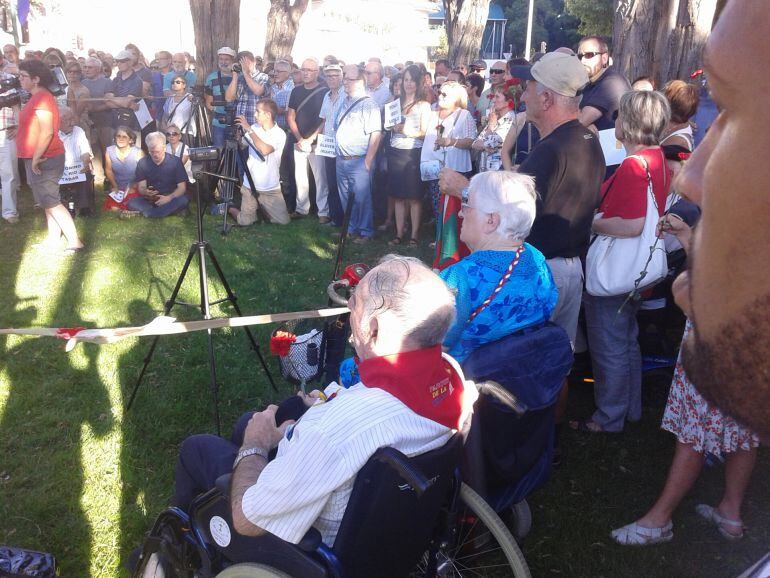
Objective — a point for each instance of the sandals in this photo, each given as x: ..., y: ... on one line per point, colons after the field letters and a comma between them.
x: 395, y: 241
x: 635, y: 535
x: 413, y: 242
x: 711, y: 515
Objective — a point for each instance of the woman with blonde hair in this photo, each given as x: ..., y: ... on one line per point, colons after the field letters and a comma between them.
x: 447, y: 143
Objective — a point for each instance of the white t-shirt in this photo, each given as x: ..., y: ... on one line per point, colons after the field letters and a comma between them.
x: 266, y: 173
x: 459, y: 124
x: 75, y: 146
x: 310, y: 481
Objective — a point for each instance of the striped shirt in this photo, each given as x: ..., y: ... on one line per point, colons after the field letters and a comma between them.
x: 330, y: 109
x: 310, y: 480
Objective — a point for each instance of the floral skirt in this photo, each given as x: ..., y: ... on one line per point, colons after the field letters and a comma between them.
x: 695, y: 422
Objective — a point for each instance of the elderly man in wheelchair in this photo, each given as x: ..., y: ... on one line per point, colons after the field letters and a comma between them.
x: 388, y: 477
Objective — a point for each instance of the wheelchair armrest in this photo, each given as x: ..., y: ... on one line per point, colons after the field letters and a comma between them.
x: 223, y: 484
x: 494, y: 389
x: 399, y: 462
x: 310, y: 541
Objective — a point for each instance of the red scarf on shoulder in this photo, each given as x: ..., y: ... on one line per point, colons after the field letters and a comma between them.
x: 422, y: 380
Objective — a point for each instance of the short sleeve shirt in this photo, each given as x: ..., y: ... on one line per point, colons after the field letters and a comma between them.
x: 98, y: 87
x: 217, y: 90
x: 568, y: 166
x: 358, y: 124
x: 189, y: 76
x: 627, y: 196
x: 329, y: 110
x: 125, y: 87
x: 281, y: 94
x: 266, y: 173
x: 604, y: 95
x: 164, y: 177
x: 307, y: 117
x: 75, y: 146
x: 29, y: 128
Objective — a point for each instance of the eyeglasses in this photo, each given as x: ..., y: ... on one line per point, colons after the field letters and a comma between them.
x: 476, y: 69
x: 178, y: 82
x: 588, y: 55
x: 496, y: 71
x: 121, y: 60
x: 309, y: 69
x: 173, y: 133
x: 350, y: 78
x: 121, y: 136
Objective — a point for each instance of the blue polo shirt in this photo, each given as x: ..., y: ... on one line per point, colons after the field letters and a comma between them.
x: 353, y: 129
x: 164, y: 177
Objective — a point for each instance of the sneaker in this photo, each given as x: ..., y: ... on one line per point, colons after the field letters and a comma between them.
x: 295, y: 215
x: 12, y: 220
x: 324, y: 220
x: 126, y: 214
x: 218, y: 209
x: 362, y: 240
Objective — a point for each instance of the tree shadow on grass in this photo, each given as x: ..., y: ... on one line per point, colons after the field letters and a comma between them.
x: 54, y: 404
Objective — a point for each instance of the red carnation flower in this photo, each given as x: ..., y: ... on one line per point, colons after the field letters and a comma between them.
x: 280, y: 343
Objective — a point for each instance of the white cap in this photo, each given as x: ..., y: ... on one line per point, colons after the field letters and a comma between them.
x: 226, y: 50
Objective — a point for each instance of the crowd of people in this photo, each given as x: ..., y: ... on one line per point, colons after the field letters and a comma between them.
x: 512, y: 170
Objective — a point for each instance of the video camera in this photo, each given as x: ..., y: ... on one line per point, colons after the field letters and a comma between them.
x: 11, y: 93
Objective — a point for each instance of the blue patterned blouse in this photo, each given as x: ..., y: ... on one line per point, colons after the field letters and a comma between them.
x: 528, y: 297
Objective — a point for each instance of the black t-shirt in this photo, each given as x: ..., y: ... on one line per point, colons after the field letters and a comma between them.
x: 164, y: 177
x: 604, y: 95
x: 568, y: 166
x: 307, y: 117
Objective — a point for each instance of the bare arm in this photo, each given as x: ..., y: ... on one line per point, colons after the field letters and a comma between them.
x: 44, y: 120
x: 109, y: 173
x: 291, y: 121
x: 232, y: 89
x: 589, y: 115
x: 618, y: 227
x: 509, y: 144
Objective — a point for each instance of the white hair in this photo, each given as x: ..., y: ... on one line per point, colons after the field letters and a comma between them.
x: 154, y: 137
x: 510, y: 195
x: 566, y: 102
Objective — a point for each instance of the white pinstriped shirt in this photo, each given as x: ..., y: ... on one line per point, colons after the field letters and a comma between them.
x: 310, y: 480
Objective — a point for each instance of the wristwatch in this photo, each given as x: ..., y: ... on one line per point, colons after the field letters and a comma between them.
x: 246, y: 452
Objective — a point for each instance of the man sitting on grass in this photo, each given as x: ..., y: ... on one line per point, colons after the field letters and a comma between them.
x: 162, y: 181
x: 409, y: 398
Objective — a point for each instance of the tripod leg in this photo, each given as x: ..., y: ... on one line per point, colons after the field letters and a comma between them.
x: 206, y: 311
x: 234, y: 300
x: 166, y: 310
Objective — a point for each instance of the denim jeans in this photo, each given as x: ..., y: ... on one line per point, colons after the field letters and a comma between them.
x: 336, y: 210
x: 153, y: 212
x: 353, y: 176
x: 9, y: 175
x: 616, y: 360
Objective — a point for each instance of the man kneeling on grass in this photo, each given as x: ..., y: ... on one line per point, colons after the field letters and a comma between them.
x: 269, y: 139
x: 162, y: 181
x: 409, y: 398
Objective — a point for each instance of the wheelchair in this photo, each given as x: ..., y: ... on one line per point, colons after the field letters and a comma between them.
x: 435, y: 514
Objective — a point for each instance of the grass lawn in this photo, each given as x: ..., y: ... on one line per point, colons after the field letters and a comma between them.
x: 83, y: 479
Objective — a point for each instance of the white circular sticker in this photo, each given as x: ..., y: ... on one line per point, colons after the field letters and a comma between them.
x: 220, y: 531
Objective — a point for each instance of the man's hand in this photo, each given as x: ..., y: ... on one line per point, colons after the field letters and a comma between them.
x: 162, y: 200
x: 451, y: 182
x: 262, y: 431
x: 304, y: 145
x: 36, y: 166
x: 241, y: 120
x: 310, y: 399
x: 247, y: 65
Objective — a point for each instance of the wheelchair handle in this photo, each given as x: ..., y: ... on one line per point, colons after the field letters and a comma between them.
x: 331, y: 290
x: 502, y: 395
x: 412, y: 476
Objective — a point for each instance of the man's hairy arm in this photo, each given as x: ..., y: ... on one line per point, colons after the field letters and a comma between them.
x: 261, y: 433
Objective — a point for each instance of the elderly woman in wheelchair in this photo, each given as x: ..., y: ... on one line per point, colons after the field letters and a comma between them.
x: 426, y: 514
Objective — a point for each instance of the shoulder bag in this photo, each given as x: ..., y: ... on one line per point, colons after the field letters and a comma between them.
x: 616, y: 266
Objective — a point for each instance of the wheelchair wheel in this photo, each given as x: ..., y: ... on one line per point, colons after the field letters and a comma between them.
x: 251, y: 570
x: 481, y: 544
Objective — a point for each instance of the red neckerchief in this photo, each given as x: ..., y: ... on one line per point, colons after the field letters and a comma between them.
x: 422, y: 380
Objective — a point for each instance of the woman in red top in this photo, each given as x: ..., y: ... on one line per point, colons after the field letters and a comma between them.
x: 38, y: 144
x: 611, y: 321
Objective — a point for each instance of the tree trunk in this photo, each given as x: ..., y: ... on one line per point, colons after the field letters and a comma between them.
x: 465, y: 21
x: 662, y: 39
x: 282, y: 25
x: 216, y: 24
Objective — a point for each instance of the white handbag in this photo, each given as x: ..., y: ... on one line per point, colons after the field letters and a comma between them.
x: 616, y: 266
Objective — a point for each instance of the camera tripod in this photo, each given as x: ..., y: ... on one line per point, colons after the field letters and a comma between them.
x: 202, y: 250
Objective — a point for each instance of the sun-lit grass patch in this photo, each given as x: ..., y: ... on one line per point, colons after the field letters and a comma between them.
x: 84, y: 479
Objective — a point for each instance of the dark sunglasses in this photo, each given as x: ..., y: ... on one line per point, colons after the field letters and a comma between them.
x: 496, y: 71
x: 589, y: 55
x: 173, y: 133
x: 476, y: 69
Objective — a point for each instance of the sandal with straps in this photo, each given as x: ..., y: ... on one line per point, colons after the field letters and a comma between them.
x: 395, y: 241
x: 635, y: 535
x: 711, y: 515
